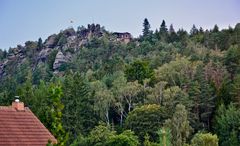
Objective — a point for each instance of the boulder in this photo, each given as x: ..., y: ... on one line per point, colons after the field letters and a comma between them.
x: 51, y: 41
x: 69, y: 32
x: 59, y: 60
x: 43, y: 54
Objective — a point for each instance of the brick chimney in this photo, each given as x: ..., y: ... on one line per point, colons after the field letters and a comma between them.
x: 19, y: 106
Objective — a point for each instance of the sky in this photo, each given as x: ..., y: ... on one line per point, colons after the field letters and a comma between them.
x: 23, y: 20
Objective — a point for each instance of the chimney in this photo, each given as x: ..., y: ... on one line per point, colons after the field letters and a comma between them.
x: 19, y: 106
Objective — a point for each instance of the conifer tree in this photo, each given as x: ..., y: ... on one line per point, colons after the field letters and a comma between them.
x: 215, y: 28
x: 194, y: 30
x: 163, y: 27
x: 78, y: 114
x: 146, y: 28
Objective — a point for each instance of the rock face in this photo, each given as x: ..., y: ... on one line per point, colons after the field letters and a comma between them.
x: 51, y: 41
x: 69, y: 32
x: 68, y: 42
x: 1, y: 69
x: 59, y: 60
x: 91, y: 31
x: 42, y: 57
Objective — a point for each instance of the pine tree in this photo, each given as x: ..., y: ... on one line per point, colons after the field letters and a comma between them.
x: 205, y: 101
x: 40, y: 44
x: 163, y: 27
x: 78, y: 114
x: 194, y: 30
x: 215, y: 28
x: 146, y: 28
x: 172, y: 34
x: 171, y: 29
x: 201, y: 31
x: 226, y: 126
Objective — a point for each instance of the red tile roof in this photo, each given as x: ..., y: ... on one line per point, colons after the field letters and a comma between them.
x: 22, y: 128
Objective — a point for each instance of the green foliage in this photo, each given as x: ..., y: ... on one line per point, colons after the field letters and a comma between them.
x: 41, y: 72
x: 232, y: 60
x: 179, y: 126
x: 78, y: 115
x: 31, y: 49
x: 146, y: 28
x: 54, y: 115
x: 235, y: 90
x: 51, y: 59
x: 227, y: 123
x: 103, y: 98
x: 163, y: 32
x: 26, y: 91
x: 177, y: 72
x: 45, y: 101
x: 147, y: 141
x: 40, y: 44
x: 193, y: 31
x: 204, y: 99
x: 199, y: 70
x: 102, y: 136
x: 164, y: 136
x: 62, y: 40
x: 127, y: 138
x: 173, y: 96
x: 146, y: 119
x: 138, y: 70
x: 204, y: 139
x: 3, y: 54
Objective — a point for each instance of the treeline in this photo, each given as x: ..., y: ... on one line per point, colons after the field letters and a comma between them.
x: 166, y: 87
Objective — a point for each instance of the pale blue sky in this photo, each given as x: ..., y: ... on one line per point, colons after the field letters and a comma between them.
x: 23, y: 20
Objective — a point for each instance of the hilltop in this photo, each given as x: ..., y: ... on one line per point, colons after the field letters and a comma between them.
x: 91, y: 86
x: 61, y: 48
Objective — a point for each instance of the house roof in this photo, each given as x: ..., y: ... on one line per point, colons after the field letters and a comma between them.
x: 22, y: 127
x: 122, y: 33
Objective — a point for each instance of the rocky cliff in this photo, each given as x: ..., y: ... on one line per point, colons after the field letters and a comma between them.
x: 65, y: 44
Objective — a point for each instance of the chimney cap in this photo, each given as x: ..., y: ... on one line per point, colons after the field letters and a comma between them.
x: 17, y: 99
x: 19, y: 106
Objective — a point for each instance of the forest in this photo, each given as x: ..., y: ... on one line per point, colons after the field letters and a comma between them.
x: 166, y: 87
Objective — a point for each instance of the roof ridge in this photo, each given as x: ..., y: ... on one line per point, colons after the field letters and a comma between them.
x: 24, y: 126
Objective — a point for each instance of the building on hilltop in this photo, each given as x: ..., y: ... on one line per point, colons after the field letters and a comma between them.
x: 125, y: 37
x: 19, y: 126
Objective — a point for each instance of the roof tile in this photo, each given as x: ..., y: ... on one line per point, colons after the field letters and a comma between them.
x: 22, y: 128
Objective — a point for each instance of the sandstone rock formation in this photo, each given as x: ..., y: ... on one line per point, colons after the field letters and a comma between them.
x: 59, y: 60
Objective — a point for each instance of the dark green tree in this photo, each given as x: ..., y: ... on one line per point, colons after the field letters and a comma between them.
x: 179, y: 126
x: 232, y: 60
x: 127, y: 138
x: 172, y: 34
x: 139, y: 70
x: 163, y: 27
x: 54, y: 114
x: 215, y: 28
x: 146, y: 119
x: 163, y: 32
x: 146, y: 28
x: 194, y: 30
x: 227, y: 124
x: 40, y: 44
x: 78, y: 115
